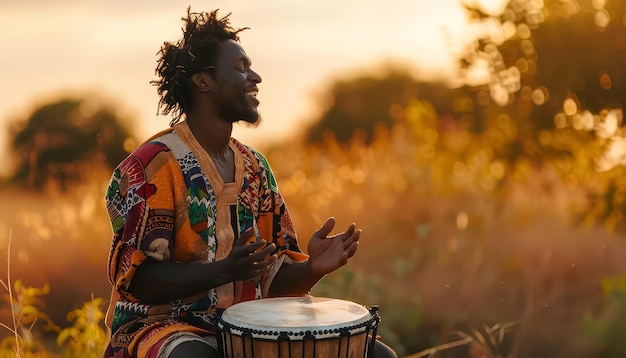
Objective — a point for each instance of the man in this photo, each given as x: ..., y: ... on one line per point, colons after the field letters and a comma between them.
x: 198, y: 221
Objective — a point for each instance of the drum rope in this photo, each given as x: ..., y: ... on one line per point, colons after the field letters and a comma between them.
x: 369, y: 351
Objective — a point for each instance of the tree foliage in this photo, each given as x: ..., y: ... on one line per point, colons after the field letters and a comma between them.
x: 550, y: 58
x: 363, y: 103
x: 60, y: 140
x: 556, y: 69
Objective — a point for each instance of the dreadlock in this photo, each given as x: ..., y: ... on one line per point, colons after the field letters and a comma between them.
x: 195, y: 52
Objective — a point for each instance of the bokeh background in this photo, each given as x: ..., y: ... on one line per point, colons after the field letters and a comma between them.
x: 478, y: 144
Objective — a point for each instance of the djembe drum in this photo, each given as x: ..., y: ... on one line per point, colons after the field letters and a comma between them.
x: 298, y: 327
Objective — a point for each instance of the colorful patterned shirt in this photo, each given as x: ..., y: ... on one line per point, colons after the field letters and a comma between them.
x: 168, y: 202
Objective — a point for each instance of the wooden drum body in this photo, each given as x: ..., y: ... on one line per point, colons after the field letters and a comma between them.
x: 298, y: 327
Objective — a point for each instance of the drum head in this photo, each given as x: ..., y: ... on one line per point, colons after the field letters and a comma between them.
x: 295, y: 314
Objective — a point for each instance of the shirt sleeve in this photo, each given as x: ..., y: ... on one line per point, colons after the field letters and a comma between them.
x: 141, y: 209
x: 274, y: 215
x: 275, y: 225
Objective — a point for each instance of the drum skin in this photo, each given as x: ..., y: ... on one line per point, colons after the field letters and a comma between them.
x: 297, y: 327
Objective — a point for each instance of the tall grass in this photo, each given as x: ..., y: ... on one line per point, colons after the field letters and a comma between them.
x: 465, y: 253
x: 24, y: 314
x: 86, y: 338
x: 59, y: 257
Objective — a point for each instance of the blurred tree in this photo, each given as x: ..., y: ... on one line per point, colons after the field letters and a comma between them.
x: 548, y: 62
x: 556, y: 70
x: 60, y: 140
x: 362, y: 103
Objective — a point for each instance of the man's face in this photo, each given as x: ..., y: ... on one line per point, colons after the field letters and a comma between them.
x: 236, y: 85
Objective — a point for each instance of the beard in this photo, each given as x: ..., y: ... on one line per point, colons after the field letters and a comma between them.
x: 251, y: 124
x: 242, y: 111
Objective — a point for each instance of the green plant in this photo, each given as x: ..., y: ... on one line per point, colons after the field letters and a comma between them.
x: 86, y: 337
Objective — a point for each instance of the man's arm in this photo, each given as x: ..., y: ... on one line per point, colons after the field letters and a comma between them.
x: 159, y: 282
x: 294, y: 279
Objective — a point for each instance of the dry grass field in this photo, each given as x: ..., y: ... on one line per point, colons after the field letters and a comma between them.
x: 462, y: 262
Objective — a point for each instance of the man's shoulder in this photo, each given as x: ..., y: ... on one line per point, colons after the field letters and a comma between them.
x: 147, y: 151
x: 151, y: 148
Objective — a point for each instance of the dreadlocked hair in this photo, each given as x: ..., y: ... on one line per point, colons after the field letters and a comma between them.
x: 195, y: 52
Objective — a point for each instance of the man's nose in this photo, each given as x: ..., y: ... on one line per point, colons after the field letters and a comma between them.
x: 255, y: 77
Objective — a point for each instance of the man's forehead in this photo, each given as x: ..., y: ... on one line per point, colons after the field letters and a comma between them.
x: 231, y: 50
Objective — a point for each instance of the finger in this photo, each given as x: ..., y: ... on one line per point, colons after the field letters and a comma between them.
x: 245, y: 236
x: 248, y: 249
x: 346, y: 234
x: 352, y: 249
x: 352, y: 239
x: 326, y: 228
x: 255, y: 246
x: 350, y: 230
x: 262, y: 254
x: 261, y: 267
x: 266, y: 262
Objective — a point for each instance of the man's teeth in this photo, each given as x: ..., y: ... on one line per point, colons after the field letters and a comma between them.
x: 252, y: 93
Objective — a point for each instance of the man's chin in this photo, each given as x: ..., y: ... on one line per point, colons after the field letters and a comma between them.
x: 248, y: 118
x: 250, y: 122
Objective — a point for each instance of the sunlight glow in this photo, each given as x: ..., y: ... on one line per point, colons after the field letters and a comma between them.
x: 608, y: 127
x: 570, y: 107
x: 523, y: 31
x: 614, y: 154
x: 608, y: 124
x: 462, y: 220
x: 560, y: 120
x: 499, y: 94
x: 602, y: 18
x: 584, y: 121
x: 539, y: 96
x: 598, y: 4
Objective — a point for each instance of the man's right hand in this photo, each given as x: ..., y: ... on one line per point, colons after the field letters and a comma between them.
x: 248, y: 260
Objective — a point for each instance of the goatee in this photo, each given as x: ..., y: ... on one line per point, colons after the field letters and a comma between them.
x: 249, y: 118
x: 251, y: 124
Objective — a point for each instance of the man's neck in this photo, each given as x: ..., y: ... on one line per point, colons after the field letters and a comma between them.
x: 213, y: 133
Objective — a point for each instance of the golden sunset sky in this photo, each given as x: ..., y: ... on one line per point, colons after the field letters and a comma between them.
x: 108, y: 49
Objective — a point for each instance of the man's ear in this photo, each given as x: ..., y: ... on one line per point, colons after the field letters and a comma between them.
x: 202, y: 81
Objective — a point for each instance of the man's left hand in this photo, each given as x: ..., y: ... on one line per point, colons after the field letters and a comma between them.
x: 328, y: 253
